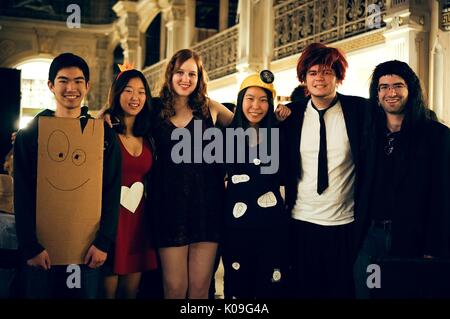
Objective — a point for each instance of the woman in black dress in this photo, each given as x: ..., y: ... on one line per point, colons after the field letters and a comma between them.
x: 188, y: 192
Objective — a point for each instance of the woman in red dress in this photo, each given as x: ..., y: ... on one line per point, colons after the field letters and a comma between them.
x: 130, y: 103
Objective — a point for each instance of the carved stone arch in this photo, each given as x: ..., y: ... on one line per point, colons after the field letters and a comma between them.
x: 147, y: 11
x: 23, y: 57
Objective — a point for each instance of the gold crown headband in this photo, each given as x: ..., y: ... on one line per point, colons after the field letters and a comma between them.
x: 124, y: 67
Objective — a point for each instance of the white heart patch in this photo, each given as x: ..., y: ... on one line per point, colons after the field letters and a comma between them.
x: 131, y: 197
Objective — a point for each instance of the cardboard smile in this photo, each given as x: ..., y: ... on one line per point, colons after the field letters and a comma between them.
x: 66, y: 189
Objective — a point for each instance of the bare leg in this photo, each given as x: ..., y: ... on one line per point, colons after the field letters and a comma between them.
x: 201, y: 264
x: 175, y: 271
x: 129, y: 285
x: 110, y: 286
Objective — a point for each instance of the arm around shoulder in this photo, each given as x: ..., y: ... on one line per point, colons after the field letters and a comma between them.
x: 223, y: 115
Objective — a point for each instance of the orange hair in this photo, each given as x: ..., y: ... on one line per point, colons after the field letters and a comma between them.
x: 320, y: 54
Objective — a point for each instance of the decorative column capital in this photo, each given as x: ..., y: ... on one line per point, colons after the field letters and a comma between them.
x: 174, y: 13
x: 407, y: 14
x: 122, y: 8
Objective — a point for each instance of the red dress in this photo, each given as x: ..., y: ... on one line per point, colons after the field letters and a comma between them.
x: 132, y: 248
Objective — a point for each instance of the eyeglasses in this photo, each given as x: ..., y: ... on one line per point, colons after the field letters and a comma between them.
x: 396, y: 87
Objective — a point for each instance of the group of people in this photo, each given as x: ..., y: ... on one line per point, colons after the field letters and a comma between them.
x: 363, y: 179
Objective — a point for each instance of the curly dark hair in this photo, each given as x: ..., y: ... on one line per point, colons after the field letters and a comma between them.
x: 142, y: 124
x: 198, y: 100
x: 415, y: 108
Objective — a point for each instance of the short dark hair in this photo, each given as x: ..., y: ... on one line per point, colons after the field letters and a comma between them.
x: 299, y: 93
x: 142, y: 124
x: 415, y: 109
x: 67, y: 60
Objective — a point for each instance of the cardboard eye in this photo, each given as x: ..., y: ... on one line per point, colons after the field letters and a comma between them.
x: 58, y: 146
x: 78, y: 157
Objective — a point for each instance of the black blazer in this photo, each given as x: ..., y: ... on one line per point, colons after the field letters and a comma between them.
x: 421, y: 220
x: 355, y: 111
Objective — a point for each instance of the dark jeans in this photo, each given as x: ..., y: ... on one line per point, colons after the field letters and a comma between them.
x: 377, y: 244
x: 37, y: 283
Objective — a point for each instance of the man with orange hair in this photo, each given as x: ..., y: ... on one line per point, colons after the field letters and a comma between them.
x: 322, y: 159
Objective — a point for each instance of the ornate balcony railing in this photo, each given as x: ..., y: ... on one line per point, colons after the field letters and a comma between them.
x: 445, y: 16
x: 301, y: 22
x: 219, y: 53
x: 155, y: 76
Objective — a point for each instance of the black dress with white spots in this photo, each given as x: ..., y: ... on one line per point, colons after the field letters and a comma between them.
x: 255, y: 238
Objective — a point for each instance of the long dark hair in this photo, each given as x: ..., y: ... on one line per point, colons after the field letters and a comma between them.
x: 415, y: 108
x: 239, y: 119
x: 142, y: 123
x: 198, y: 100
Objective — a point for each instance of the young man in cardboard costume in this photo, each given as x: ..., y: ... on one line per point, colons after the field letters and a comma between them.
x: 61, y: 190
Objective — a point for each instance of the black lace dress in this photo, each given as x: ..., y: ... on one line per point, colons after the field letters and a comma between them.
x: 187, y: 197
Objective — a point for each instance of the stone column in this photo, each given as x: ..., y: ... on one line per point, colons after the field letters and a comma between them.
x: 190, y: 22
x: 129, y: 31
x: 104, y: 71
x: 255, y: 36
x: 223, y: 15
x: 174, y: 16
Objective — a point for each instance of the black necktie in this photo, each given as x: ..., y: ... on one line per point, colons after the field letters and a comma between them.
x: 322, y: 168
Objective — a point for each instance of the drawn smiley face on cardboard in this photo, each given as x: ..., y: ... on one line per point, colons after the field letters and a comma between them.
x: 69, y: 186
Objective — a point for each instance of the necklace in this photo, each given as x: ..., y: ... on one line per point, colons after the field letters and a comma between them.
x: 390, y: 142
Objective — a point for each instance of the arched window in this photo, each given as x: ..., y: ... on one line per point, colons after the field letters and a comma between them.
x: 35, y: 94
x: 152, y: 41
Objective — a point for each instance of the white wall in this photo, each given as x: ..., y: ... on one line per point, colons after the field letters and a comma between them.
x: 361, y: 64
